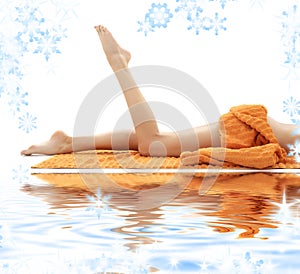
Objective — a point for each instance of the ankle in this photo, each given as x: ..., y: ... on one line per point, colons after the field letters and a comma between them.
x: 117, y: 62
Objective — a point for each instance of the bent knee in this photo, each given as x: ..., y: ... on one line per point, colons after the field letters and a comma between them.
x: 154, y: 149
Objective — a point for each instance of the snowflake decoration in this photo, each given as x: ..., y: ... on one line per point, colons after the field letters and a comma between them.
x: 203, y: 266
x: 21, y: 174
x: 174, y: 263
x: 26, y: 15
x: 207, y: 23
x: 145, y: 26
x: 26, y: 31
x: 222, y: 2
x: 65, y: 7
x: 0, y: 237
x: 159, y: 15
x: 247, y: 263
x: 47, y: 42
x: 17, y: 100
x: 189, y: 8
x: 27, y: 122
x: 297, y: 128
x: 10, y: 65
x: 257, y: 2
x: 217, y: 24
x: 99, y: 203
x: 290, y: 29
x: 240, y: 264
x: 295, y: 150
x: 292, y: 58
x: 291, y: 106
x: 34, y: 33
x: 290, y: 25
x: 196, y: 23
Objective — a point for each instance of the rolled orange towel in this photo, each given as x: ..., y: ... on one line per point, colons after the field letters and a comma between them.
x: 247, y: 141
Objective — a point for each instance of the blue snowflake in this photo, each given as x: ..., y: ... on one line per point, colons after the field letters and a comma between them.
x: 295, y: 150
x: 216, y: 24
x: 99, y: 203
x: 20, y: 174
x: 27, y: 122
x: 222, y: 2
x: 17, y: 100
x: 189, y: 8
x: 145, y: 26
x: 196, y: 23
x: 26, y: 35
x: 26, y: 15
x: 10, y: 64
x: 47, y: 42
x: 34, y: 33
x: 292, y: 58
x: 207, y: 23
x: 291, y: 106
x: 290, y: 25
x: 159, y: 15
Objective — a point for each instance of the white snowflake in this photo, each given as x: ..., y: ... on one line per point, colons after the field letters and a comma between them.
x: 174, y: 262
x: 27, y: 122
x: 291, y: 106
x: 65, y: 8
x: 259, y: 3
x: 0, y: 237
x: 99, y: 203
x: 17, y: 100
x: 145, y: 26
x: 295, y: 150
x: 20, y: 174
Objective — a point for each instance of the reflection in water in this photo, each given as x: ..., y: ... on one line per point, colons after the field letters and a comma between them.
x: 233, y: 203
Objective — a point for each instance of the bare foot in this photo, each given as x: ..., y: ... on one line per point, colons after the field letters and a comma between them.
x: 117, y: 57
x: 58, y: 143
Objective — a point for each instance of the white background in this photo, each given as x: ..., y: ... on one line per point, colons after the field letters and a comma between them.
x: 242, y: 65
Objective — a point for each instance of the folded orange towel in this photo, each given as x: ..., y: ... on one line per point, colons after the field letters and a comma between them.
x: 247, y: 140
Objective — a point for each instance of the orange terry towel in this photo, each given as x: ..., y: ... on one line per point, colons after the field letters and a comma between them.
x: 247, y: 141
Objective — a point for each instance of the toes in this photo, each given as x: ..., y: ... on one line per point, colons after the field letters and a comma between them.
x: 29, y: 151
x: 25, y: 152
x: 97, y: 28
x: 101, y: 29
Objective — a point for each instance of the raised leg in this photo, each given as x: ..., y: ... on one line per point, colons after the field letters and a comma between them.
x: 146, y: 138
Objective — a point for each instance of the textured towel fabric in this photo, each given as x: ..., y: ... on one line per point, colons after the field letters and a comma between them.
x: 108, y: 159
x: 247, y: 141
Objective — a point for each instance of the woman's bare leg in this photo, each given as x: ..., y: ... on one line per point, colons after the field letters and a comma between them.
x: 146, y: 138
x: 62, y: 143
x: 150, y: 140
x: 142, y: 116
